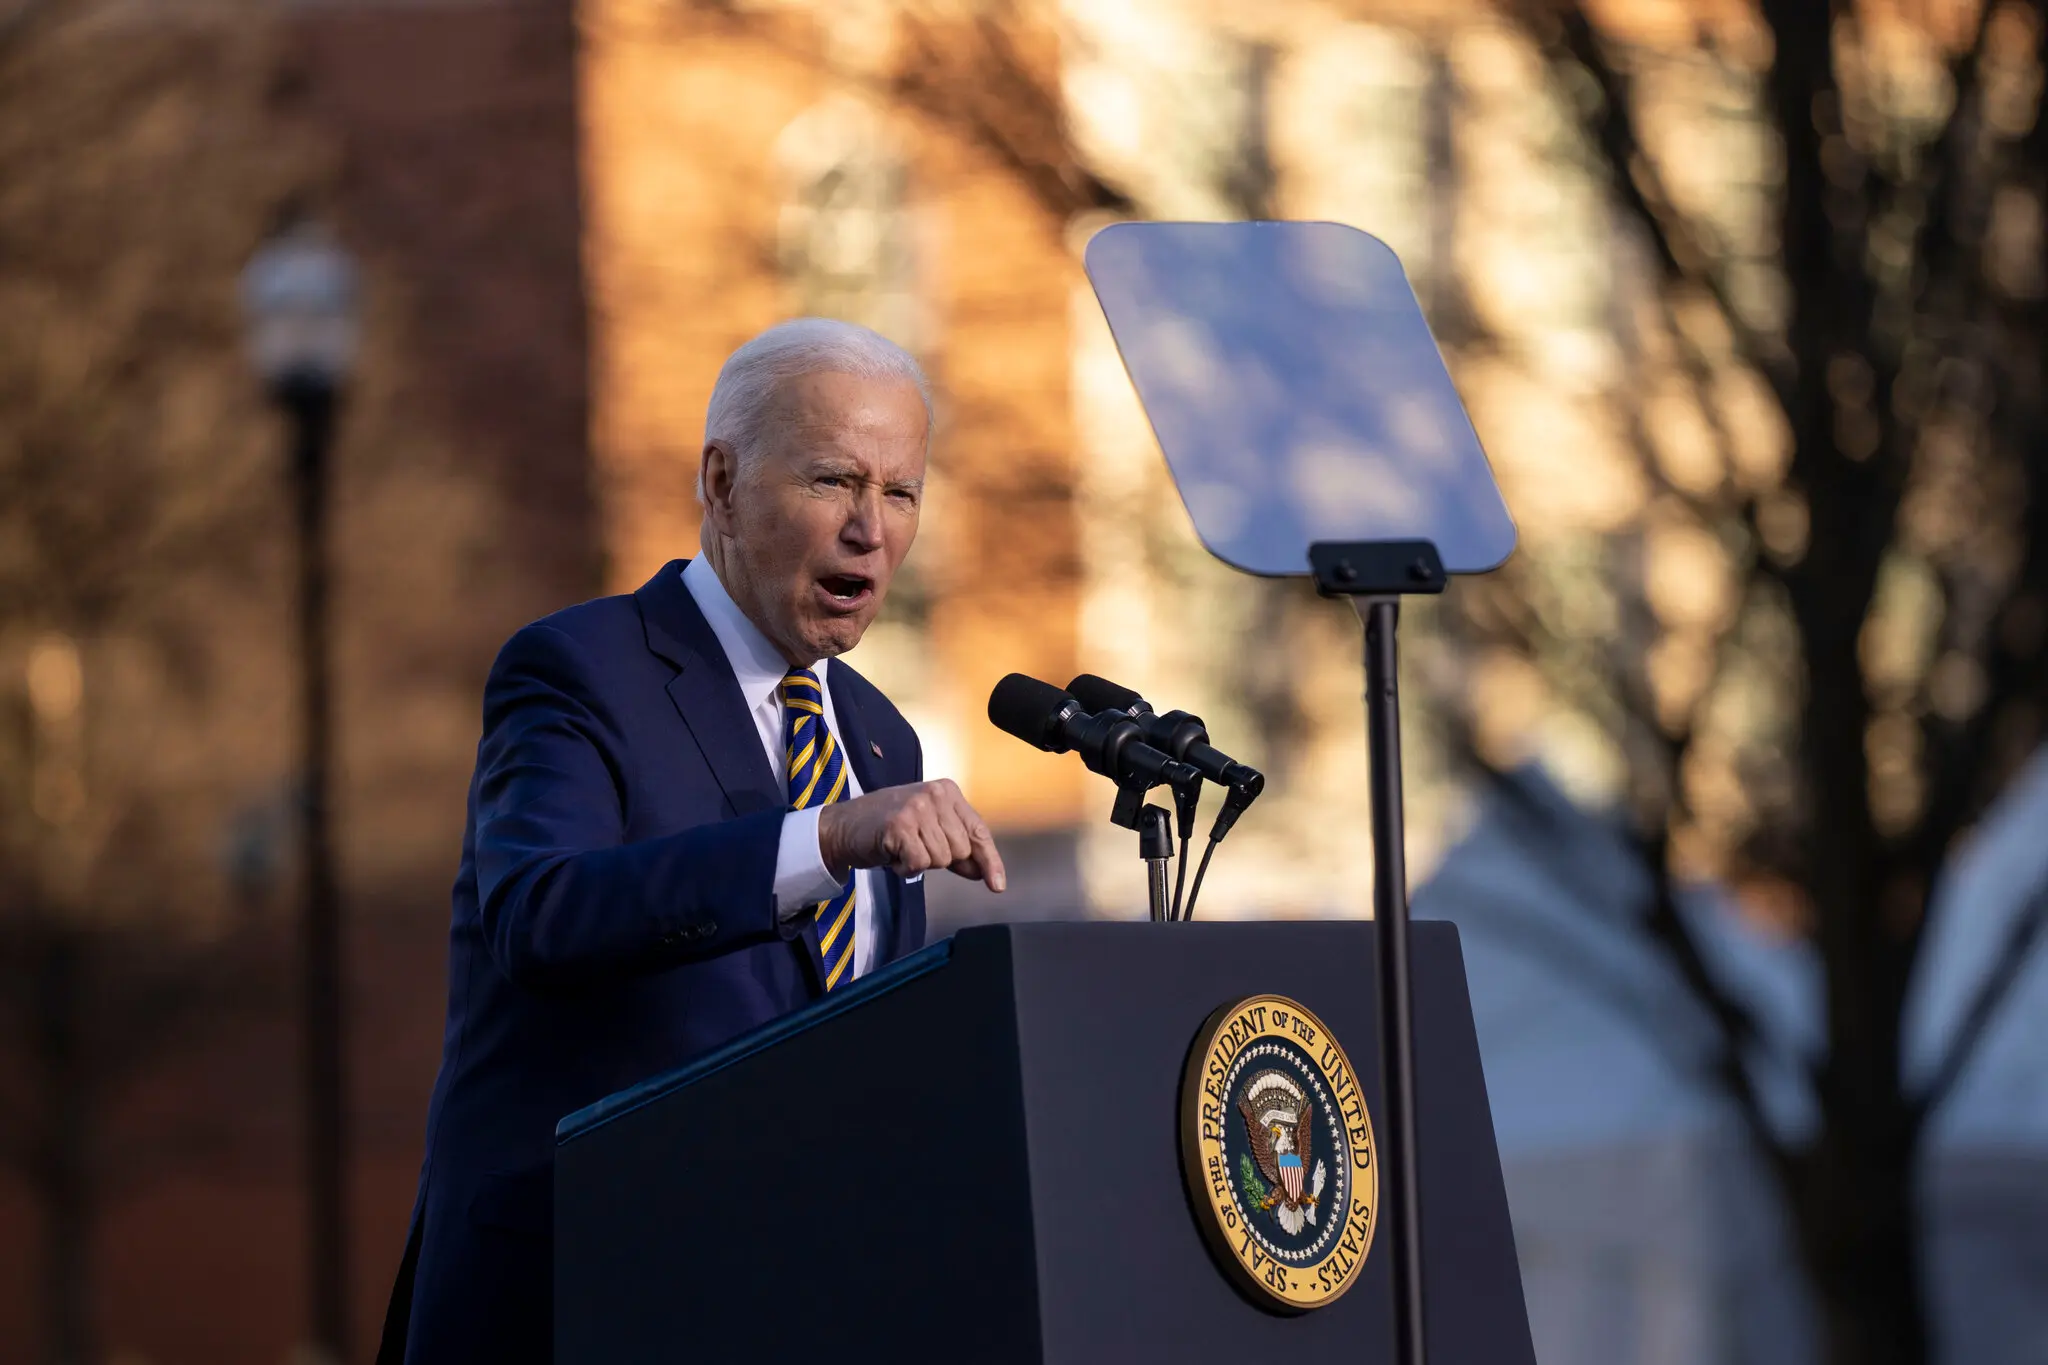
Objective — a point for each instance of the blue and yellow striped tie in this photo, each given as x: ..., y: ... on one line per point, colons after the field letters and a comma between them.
x: 817, y: 777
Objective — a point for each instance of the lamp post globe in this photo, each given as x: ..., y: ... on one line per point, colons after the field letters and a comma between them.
x: 300, y: 305
x: 299, y: 298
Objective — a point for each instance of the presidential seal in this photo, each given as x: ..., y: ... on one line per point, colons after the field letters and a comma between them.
x: 1277, y: 1149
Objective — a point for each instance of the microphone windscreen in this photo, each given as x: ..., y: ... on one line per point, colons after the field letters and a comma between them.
x: 1027, y: 708
x: 1100, y: 694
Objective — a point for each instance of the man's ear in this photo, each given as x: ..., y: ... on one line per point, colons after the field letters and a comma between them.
x: 720, y: 470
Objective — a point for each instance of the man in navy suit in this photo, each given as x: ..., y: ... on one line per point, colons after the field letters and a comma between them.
x: 686, y: 820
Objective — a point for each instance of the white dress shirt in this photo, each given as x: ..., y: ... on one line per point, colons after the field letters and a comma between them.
x: 801, y: 877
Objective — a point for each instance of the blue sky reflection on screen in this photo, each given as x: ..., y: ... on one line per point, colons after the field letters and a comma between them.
x: 1292, y: 382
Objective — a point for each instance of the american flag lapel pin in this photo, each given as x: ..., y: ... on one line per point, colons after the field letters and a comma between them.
x: 875, y: 748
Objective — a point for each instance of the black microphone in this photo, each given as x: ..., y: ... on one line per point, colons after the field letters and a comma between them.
x: 1181, y: 735
x: 1111, y: 744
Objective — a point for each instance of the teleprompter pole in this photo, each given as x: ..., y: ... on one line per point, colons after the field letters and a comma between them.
x: 1375, y: 575
x: 1397, y: 1009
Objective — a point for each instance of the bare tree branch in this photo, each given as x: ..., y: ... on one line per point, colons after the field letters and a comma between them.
x: 1940, y: 249
x: 1737, y: 1026
x: 1684, y: 256
x: 968, y: 75
x: 974, y: 80
x: 1959, y: 752
x: 2014, y: 956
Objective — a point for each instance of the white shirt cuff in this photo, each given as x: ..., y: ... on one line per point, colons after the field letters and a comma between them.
x: 801, y: 877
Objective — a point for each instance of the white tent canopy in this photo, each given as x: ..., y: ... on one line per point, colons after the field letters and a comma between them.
x: 1984, y: 1183
x: 2001, y: 1096
x: 1646, y: 1226
x: 1644, y: 1221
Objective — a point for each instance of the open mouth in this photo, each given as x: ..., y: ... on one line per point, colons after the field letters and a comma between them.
x: 846, y: 589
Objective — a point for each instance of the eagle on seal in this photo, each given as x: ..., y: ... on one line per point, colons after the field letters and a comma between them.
x: 1279, y: 1124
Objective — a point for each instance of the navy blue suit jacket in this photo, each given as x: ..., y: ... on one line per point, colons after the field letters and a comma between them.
x: 614, y: 917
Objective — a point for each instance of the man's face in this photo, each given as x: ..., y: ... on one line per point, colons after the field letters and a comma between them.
x: 810, y: 533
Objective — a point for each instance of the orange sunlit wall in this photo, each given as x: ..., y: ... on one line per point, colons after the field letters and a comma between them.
x: 684, y: 116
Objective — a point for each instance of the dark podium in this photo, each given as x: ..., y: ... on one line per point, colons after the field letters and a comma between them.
x: 974, y: 1155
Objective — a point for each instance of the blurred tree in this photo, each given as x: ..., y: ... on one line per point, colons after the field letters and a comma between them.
x: 137, y: 160
x: 1820, y: 652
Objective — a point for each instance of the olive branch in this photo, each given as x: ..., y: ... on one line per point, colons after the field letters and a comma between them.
x: 1255, y: 1189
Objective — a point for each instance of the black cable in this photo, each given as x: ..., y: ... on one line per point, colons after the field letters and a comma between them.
x: 1200, y: 872
x: 1187, y: 800
x: 1180, y: 878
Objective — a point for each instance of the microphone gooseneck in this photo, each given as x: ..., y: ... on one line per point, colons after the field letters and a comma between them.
x: 1181, y: 735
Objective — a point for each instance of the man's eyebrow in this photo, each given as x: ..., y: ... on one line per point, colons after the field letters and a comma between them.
x: 830, y: 464
x: 827, y: 465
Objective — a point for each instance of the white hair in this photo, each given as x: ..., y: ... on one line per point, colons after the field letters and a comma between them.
x: 743, y: 399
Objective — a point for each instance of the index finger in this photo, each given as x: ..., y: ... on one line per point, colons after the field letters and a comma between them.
x: 984, y: 845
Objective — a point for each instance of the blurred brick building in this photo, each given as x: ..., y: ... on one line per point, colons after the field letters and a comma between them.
x: 441, y: 140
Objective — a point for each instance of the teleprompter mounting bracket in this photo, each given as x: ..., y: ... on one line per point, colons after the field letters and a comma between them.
x: 1376, y: 568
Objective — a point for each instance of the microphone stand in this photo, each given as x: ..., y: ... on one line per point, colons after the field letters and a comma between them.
x: 1375, y: 575
x: 1154, y: 825
x: 1155, y: 846
x: 1156, y: 833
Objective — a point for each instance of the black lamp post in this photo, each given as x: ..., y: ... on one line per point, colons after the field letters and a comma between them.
x: 299, y: 297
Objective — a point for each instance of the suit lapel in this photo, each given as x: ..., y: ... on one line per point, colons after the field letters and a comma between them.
x: 708, y: 697
x: 706, y: 694
x: 853, y: 732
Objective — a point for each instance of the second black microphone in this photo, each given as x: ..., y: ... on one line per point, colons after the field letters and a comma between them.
x: 1111, y: 744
